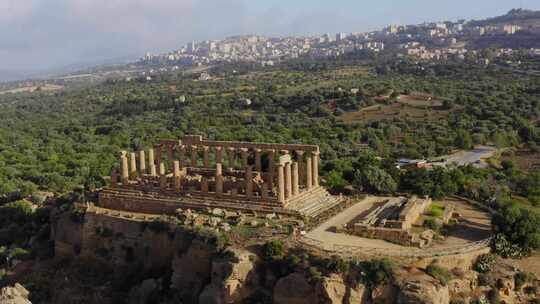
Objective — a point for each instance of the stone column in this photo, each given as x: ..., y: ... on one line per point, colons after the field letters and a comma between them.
x: 133, y: 169
x: 264, y: 190
x: 114, y: 178
x: 193, y: 156
x: 309, y: 178
x: 258, y: 163
x: 249, y: 181
x: 295, y: 185
x: 162, y: 177
x: 301, y: 167
x: 219, y: 156
x: 151, y: 160
x: 153, y: 170
x: 162, y: 169
x: 244, y: 153
x: 271, y: 168
x: 315, y: 169
x: 158, y: 156
x: 281, y: 183
x: 288, y: 181
x: 206, y: 158
x: 142, y: 163
x: 219, y: 179
x: 176, y: 174
x: 204, y: 184
x: 230, y: 163
x: 125, y: 170
x: 181, y: 155
x: 170, y: 156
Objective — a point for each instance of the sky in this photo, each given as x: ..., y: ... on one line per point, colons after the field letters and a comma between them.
x: 45, y: 34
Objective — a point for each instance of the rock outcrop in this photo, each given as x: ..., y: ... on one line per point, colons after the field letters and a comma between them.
x: 14, y: 295
x: 234, y: 278
x: 423, y: 292
x: 192, y: 271
x: 333, y: 290
x: 294, y: 289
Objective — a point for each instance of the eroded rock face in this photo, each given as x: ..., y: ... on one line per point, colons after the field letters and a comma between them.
x: 14, y: 295
x: 294, y: 289
x: 465, y: 284
x: 358, y: 294
x: 333, y: 290
x: 385, y: 294
x: 423, y: 292
x: 192, y: 271
x: 234, y: 278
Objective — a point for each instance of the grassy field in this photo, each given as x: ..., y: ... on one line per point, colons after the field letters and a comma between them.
x: 45, y: 88
x: 396, y: 110
x: 525, y: 160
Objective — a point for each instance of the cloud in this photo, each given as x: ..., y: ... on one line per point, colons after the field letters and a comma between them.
x: 45, y: 33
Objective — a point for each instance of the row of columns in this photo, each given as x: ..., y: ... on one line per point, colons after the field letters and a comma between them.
x: 290, y: 174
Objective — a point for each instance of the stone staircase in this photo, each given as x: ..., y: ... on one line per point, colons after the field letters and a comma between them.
x: 192, y: 201
x: 314, y: 202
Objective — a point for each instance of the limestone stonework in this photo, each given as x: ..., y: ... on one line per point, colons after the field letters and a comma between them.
x: 262, y: 178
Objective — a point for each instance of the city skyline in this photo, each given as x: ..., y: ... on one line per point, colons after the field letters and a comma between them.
x: 39, y: 36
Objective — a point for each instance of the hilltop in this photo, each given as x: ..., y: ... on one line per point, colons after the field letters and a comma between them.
x: 522, y: 17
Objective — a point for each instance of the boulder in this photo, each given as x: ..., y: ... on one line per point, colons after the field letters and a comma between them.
x: 333, y: 289
x: 384, y: 294
x: 234, y: 278
x: 423, y: 292
x: 294, y: 289
x: 218, y: 212
x: 14, y: 295
x: 466, y: 283
x: 192, y: 271
x: 358, y: 294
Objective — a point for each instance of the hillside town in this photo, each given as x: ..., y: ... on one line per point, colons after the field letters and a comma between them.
x: 427, y: 41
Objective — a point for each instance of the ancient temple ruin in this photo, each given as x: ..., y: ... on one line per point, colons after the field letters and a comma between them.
x: 197, y: 173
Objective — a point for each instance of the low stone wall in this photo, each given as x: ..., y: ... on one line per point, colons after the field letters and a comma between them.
x: 461, y: 257
x: 412, y: 210
x: 397, y: 236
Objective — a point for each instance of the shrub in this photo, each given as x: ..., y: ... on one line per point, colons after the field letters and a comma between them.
x: 104, y: 232
x: 493, y: 296
x: 433, y: 224
x: 314, y: 275
x: 506, y: 249
x: 521, y: 278
x: 484, y: 263
x: 274, y: 248
x: 375, y: 272
x: 436, y: 210
x: 442, y: 274
x: 519, y: 226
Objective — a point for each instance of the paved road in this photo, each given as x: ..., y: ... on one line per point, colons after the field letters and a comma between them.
x: 474, y: 157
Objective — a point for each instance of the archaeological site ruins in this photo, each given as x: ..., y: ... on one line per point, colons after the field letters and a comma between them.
x: 197, y: 173
x: 392, y: 220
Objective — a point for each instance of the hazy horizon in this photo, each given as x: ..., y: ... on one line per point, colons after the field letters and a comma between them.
x: 39, y: 35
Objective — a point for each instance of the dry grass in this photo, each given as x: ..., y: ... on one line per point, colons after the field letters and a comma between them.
x: 395, y: 110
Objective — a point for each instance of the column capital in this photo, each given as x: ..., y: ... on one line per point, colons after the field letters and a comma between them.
x: 218, y: 148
